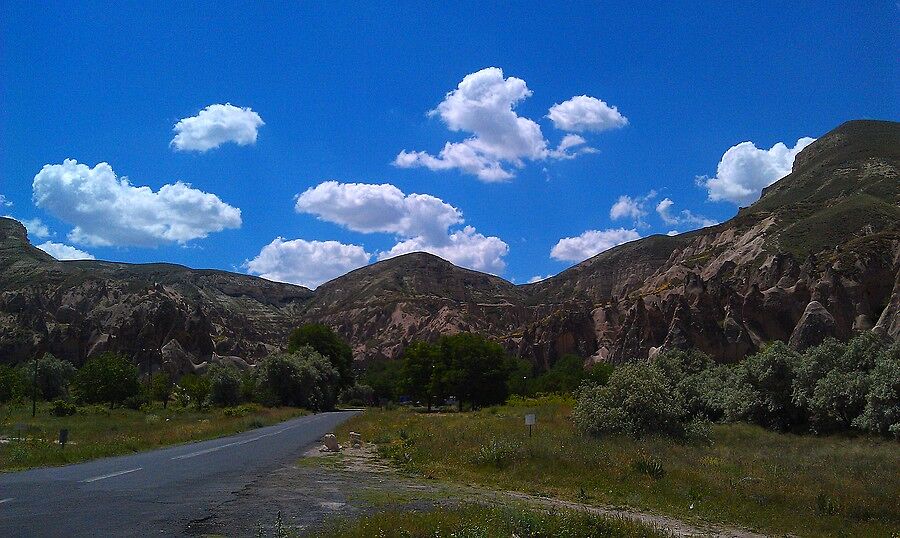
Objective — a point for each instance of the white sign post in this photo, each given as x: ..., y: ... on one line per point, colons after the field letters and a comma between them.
x: 529, y: 421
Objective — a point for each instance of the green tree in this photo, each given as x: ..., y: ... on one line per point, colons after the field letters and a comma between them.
x: 224, y: 385
x: 759, y: 389
x: 301, y: 379
x: 322, y: 339
x: 385, y: 378
x: 565, y: 375
x: 196, y: 388
x: 12, y: 384
x: 161, y: 387
x: 53, y: 377
x: 107, y: 378
x: 473, y: 368
x: 881, y: 414
x: 418, y: 376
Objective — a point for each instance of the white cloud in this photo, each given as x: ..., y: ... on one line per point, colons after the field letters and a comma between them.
x: 583, y: 113
x: 420, y: 222
x: 64, y: 252
x: 500, y: 140
x: 383, y: 208
x: 216, y: 125
x: 664, y: 209
x: 591, y: 243
x: 466, y: 248
x: 307, y: 263
x: 4, y: 201
x: 672, y: 233
x: 538, y: 278
x: 745, y: 170
x: 631, y: 207
x: 107, y: 210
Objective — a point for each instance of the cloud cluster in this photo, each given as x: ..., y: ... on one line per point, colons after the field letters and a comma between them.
x: 308, y: 263
x: 64, y: 252
x: 631, y: 207
x: 215, y: 125
x: 483, y: 105
x: 685, y: 216
x: 107, y: 210
x: 583, y: 113
x: 4, y: 201
x: 420, y: 222
x: 745, y: 170
x: 591, y: 243
x: 35, y: 227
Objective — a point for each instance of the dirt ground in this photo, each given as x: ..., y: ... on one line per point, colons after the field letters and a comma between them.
x: 354, y: 482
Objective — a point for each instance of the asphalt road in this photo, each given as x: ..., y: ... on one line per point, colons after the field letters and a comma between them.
x: 155, y: 493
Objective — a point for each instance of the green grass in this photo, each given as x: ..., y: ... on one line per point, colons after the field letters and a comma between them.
x: 96, y: 432
x: 745, y: 476
x: 480, y: 521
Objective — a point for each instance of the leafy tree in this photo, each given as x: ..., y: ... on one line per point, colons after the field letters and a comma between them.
x: 53, y: 377
x: 759, y: 389
x: 697, y: 380
x: 357, y: 395
x: 301, y: 379
x: 599, y: 373
x: 107, y: 378
x: 385, y: 378
x: 474, y: 368
x: 418, y: 379
x: 329, y: 345
x: 224, y: 385
x: 12, y: 384
x: 161, y: 388
x: 520, y: 377
x: 565, y: 375
x: 881, y: 414
x: 193, y: 389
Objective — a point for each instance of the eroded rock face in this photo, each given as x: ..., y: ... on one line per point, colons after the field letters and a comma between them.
x: 828, y: 234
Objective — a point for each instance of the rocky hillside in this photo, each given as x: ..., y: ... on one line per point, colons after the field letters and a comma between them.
x: 817, y: 255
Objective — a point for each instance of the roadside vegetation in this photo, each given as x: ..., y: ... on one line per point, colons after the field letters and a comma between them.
x: 481, y: 521
x: 108, y: 409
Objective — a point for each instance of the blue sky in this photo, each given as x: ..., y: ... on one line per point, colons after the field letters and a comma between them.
x: 340, y: 93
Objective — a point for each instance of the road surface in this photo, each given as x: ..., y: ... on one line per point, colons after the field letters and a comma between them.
x: 153, y: 493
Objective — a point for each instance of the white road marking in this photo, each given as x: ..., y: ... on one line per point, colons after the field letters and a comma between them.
x: 110, y: 475
x: 6, y: 500
x: 235, y: 443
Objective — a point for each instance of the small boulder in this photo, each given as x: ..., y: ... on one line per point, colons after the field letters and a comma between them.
x: 355, y: 440
x: 815, y: 325
x: 331, y: 444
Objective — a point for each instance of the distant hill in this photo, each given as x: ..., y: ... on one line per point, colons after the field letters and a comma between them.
x: 818, y: 254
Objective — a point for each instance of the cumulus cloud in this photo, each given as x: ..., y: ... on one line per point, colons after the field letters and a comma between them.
x: 107, y: 210
x: 583, y: 113
x: 685, y: 216
x: 631, y: 207
x: 500, y: 141
x: 383, y: 208
x: 672, y: 233
x: 215, y: 125
x: 538, y: 278
x: 466, y: 248
x: 745, y: 170
x: 64, y: 252
x: 591, y: 243
x: 420, y: 222
x: 35, y: 227
x: 4, y: 201
x: 307, y: 263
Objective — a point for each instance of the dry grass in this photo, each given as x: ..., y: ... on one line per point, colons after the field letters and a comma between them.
x: 96, y: 432
x: 745, y: 476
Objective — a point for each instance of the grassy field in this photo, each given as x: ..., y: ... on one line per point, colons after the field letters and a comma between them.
x: 480, y: 521
x: 744, y: 475
x: 96, y: 431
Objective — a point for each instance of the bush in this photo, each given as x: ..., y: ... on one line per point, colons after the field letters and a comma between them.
x: 107, y: 378
x: 161, y: 388
x: 357, y: 395
x: 697, y: 380
x: 224, y: 385
x: 301, y: 379
x: 759, y: 389
x: 636, y: 401
x: 242, y: 410
x: 328, y: 344
x: 192, y: 390
x: 53, y: 377
x: 881, y: 414
x: 12, y: 384
x: 62, y: 408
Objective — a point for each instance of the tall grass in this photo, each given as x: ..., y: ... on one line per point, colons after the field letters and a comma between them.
x: 744, y: 475
x: 96, y: 431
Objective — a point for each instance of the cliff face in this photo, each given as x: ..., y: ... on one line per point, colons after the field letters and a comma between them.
x: 817, y: 255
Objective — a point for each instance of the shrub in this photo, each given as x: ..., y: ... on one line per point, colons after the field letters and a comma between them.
x: 636, y: 401
x: 107, y: 378
x: 62, y: 408
x: 759, y: 389
x: 161, y: 387
x: 12, y: 384
x: 358, y: 395
x: 881, y: 414
x: 53, y: 377
x: 697, y: 380
x: 598, y: 373
x: 224, y: 385
x: 242, y: 410
x: 194, y: 390
x: 497, y: 453
x: 301, y: 379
